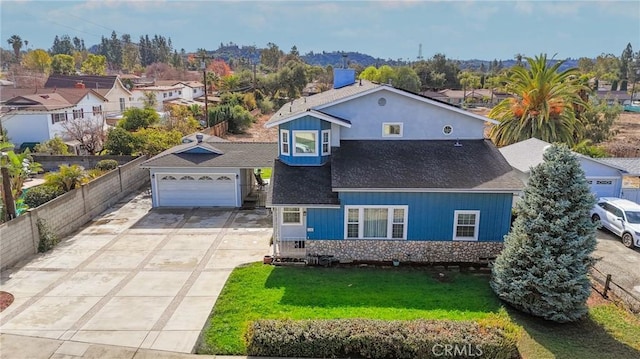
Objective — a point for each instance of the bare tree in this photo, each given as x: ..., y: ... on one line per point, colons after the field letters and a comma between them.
x: 88, y: 131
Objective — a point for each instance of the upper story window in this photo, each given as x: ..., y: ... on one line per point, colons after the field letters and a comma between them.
x: 465, y: 225
x: 305, y: 143
x: 284, y: 142
x: 326, y: 142
x: 122, y: 104
x: 58, y: 117
x: 392, y: 129
x: 97, y: 110
x: 78, y: 114
x: 164, y: 95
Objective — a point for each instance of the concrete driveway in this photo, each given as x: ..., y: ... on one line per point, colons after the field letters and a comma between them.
x: 134, y: 276
x: 621, y: 262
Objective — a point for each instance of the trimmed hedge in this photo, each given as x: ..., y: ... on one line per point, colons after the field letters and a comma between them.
x: 364, y: 338
x: 107, y: 165
x: 40, y: 195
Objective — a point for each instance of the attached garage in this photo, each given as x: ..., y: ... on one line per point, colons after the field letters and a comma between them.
x: 207, y: 171
x: 604, y: 187
x: 197, y: 190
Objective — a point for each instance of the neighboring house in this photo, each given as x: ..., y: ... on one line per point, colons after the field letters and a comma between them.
x: 631, y: 177
x: 604, y: 178
x: 39, y: 117
x: 207, y: 171
x: 368, y: 172
x: 614, y: 97
x: 162, y: 93
x: 119, y: 98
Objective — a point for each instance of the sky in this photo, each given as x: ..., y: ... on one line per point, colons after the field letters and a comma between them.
x: 383, y: 29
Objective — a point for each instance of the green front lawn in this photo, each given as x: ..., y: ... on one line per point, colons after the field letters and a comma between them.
x: 266, y: 292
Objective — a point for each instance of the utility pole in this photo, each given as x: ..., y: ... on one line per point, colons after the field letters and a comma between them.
x: 203, y: 65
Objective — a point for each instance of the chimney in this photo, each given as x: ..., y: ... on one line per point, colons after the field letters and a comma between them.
x: 199, y: 137
x: 79, y: 85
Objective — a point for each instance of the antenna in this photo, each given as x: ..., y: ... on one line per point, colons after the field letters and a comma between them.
x: 420, y: 53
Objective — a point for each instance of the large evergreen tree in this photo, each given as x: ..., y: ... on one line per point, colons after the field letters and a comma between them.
x: 544, y: 265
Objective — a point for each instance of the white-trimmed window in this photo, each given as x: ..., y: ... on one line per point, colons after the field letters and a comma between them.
x: 465, y: 225
x: 284, y: 142
x: 58, y: 117
x: 305, y: 143
x: 122, y: 104
x: 326, y: 142
x: 376, y: 222
x: 78, y: 114
x: 392, y: 129
x: 291, y: 215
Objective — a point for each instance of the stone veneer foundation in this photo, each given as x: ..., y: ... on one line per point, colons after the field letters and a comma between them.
x: 407, y: 251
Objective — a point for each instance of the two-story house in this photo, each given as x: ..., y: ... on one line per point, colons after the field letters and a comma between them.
x: 368, y: 172
x: 119, y: 98
x: 38, y: 117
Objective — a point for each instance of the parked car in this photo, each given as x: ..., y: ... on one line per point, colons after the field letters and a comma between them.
x: 620, y: 216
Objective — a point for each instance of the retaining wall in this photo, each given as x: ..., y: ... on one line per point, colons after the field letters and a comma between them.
x: 64, y: 215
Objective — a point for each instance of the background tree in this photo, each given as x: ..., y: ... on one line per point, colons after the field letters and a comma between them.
x: 151, y: 141
x: 270, y: 57
x: 87, y: 131
x: 407, y: 79
x: 120, y: 142
x: 37, y: 60
x: 94, y: 65
x: 54, y: 146
x: 15, y: 42
x: 543, y: 269
x: 598, y: 120
x: 62, y: 45
x: 543, y: 104
x: 135, y: 118
x: 469, y: 80
x: 63, y: 65
x: 130, y: 54
x: 181, y: 119
x: 149, y: 99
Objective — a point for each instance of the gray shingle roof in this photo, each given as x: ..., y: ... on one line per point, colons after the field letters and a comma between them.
x: 234, y: 154
x: 305, y: 103
x: 525, y: 154
x: 630, y: 165
x: 476, y: 164
x: 301, y: 185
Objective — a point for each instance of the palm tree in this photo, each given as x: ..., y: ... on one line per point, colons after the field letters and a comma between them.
x: 16, y: 42
x: 67, y: 177
x: 544, y: 104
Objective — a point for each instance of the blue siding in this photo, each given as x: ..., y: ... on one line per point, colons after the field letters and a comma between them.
x: 306, y: 123
x: 430, y: 215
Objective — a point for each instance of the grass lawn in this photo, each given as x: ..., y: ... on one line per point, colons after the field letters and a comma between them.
x: 265, y: 172
x: 267, y: 292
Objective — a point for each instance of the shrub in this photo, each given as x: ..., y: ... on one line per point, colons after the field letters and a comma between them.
x: 365, y: 338
x: 48, y: 239
x: 107, y: 165
x: 54, y: 146
x: 39, y: 195
x: 266, y: 106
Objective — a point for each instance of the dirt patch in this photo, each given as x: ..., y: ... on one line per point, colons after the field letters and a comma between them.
x: 256, y: 133
x: 5, y: 300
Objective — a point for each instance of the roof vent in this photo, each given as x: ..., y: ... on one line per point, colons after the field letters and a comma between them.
x: 199, y: 137
x: 457, y: 144
x: 79, y: 85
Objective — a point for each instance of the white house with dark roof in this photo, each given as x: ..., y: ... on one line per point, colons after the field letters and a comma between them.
x: 207, y: 171
x: 604, y: 177
x: 368, y: 172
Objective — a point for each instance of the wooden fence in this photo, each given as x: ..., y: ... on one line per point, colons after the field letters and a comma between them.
x: 611, y: 288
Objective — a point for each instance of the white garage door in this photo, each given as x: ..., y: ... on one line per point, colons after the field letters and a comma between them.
x: 201, y: 190
x: 603, y: 187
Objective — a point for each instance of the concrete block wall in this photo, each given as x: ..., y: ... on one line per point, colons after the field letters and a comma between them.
x: 53, y: 162
x: 66, y: 214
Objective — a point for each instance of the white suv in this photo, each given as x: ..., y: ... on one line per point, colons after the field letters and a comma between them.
x: 620, y: 216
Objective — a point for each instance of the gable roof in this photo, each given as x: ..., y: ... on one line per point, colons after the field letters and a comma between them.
x: 319, y: 114
x: 293, y: 109
x: 474, y: 165
x: 631, y: 165
x: 216, y: 154
x: 74, y: 95
x: 39, y: 102
x: 102, y: 84
x: 529, y: 153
